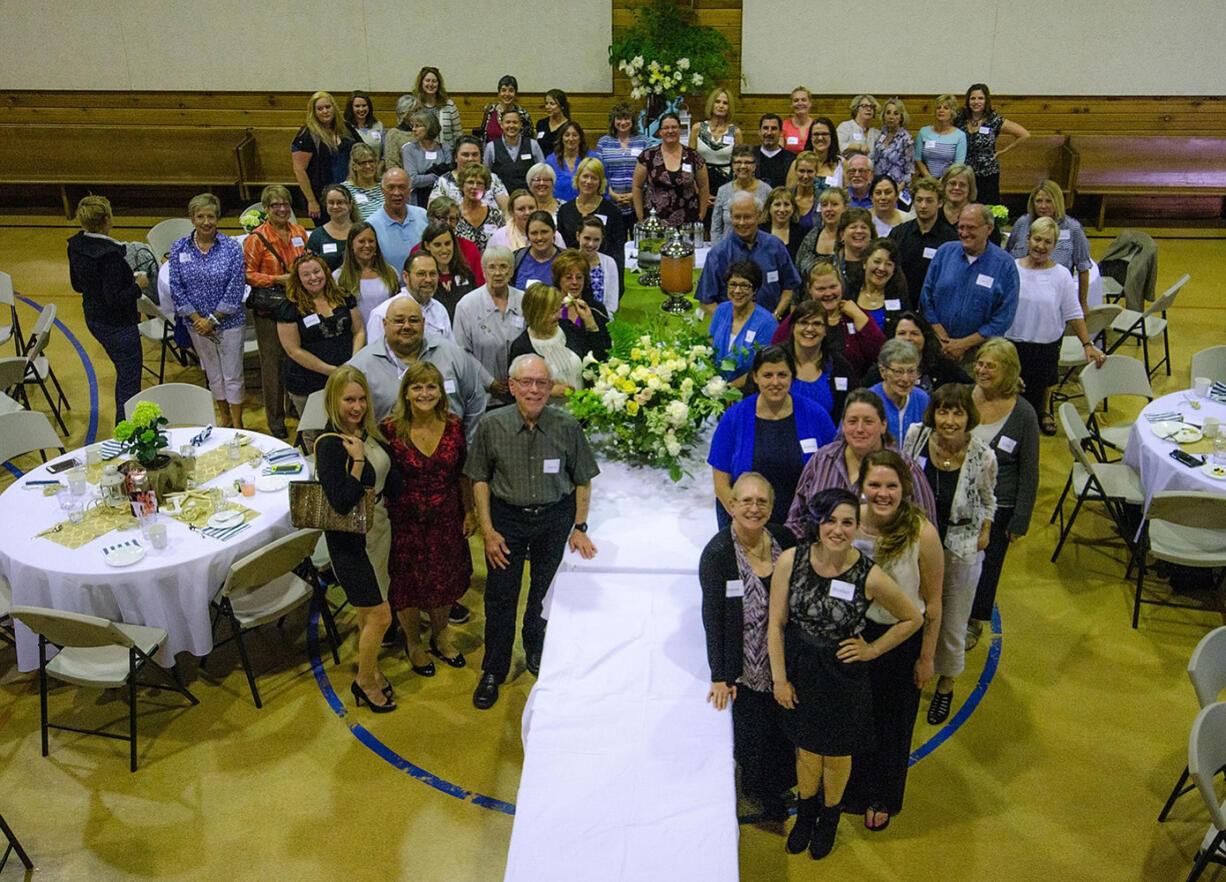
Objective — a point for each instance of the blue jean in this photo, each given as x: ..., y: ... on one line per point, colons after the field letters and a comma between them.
x: 123, y: 346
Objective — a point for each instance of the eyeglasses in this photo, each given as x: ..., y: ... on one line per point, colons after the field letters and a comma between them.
x: 866, y: 107
x: 401, y: 321
x: 278, y: 205
x: 533, y: 382
x: 904, y: 372
x: 753, y: 502
x: 740, y: 286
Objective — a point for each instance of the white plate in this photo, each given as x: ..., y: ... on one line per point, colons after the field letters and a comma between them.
x: 271, y: 483
x: 1214, y: 471
x: 224, y: 519
x: 125, y: 555
x: 1180, y: 433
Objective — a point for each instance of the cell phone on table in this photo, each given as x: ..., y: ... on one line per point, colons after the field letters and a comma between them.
x: 1187, y: 459
x: 63, y: 465
x: 286, y: 469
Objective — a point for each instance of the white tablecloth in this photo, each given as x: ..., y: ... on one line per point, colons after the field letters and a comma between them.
x: 628, y: 773
x: 1150, y: 455
x: 168, y: 589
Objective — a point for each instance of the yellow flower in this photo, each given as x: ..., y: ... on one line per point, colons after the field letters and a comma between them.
x: 626, y: 386
x: 632, y: 407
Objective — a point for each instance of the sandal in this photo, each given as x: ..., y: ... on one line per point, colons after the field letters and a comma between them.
x: 938, y: 711
x: 872, y: 811
x: 974, y: 630
x: 1047, y: 424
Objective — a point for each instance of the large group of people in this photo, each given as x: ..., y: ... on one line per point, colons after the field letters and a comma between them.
x: 896, y: 365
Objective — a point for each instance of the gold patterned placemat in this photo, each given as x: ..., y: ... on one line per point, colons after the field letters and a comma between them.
x: 99, y: 520
x: 197, y: 507
x: 217, y: 461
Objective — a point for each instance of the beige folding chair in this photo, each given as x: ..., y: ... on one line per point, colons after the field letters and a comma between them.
x: 96, y: 652
x: 38, y: 366
x: 164, y: 233
x: 160, y: 329
x: 1147, y: 325
x: 27, y: 431
x: 1119, y: 375
x: 313, y: 419
x: 1113, y: 484
x: 13, y: 328
x: 6, y: 609
x: 265, y: 586
x: 1073, y: 353
x: 1207, y: 755
x: 183, y: 404
x: 12, y: 375
x: 1210, y: 363
x: 1187, y: 528
x: 1207, y: 671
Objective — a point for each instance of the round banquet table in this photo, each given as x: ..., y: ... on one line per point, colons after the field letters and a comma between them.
x: 169, y: 588
x: 1150, y: 455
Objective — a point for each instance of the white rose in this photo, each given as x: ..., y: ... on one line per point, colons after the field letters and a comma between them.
x: 678, y: 412
x: 623, y: 370
x: 637, y: 61
x: 714, y: 388
x: 683, y: 63
x: 697, y: 78
x: 672, y: 445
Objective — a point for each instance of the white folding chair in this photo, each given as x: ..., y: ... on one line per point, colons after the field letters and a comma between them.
x: 266, y: 585
x: 1186, y: 528
x: 1113, y: 484
x: 1206, y: 755
x: 12, y: 376
x: 1207, y: 671
x: 164, y: 233
x: 38, y: 366
x: 6, y: 609
x: 1073, y: 353
x: 1119, y: 375
x: 1210, y: 363
x: 96, y: 652
x: 1147, y: 325
x: 313, y: 419
x: 13, y: 328
x: 183, y: 404
x: 27, y: 431
x: 159, y: 329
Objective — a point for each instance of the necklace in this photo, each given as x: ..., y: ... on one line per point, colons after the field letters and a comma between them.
x: 947, y: 457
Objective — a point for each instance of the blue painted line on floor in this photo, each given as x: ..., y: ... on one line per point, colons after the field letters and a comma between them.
x: 372, y: 742
x: 13, y: 470
x: 91, y: 433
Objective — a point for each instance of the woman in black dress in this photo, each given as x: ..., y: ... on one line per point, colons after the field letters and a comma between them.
x: 820, y: 592
x: 735, y: 572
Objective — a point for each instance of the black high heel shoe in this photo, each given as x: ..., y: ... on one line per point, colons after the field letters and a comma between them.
x: 455, y: 661
x: 360, y: 696
x: 426, y: 670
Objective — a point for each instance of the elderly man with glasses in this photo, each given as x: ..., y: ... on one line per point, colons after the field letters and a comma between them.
x: 858, y: 177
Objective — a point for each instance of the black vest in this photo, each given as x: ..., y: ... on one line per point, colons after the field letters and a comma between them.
x: 513, y: 169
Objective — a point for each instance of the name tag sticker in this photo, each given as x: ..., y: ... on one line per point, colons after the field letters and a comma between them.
x: 296, y: 241
x: 734, y: 588
x: 431, y: 154
x: 929, y: 253
x: 360, y: 198
x: 329, y: 248
x: 772, y: 276
x: 635, y: 151
x: 449, y: 387
x: 930, y: 145
x: 517, y: 321
x: 525, y: 156
x: 840, y: 384
x: 604, y: 218
x: 985, y: 130
x: 552, y: 466
x: 378, y: 136
x: 1006, y: 444
x: 984, y: 281
x: 922, y: 462
x: 729, y: 139
x: 749, y: 335
x: 687, y: 168
x: 830, y: 181
x: 1065, y: 234
x: 792, y: 139
x: 310, y: 321
x: 850, y: 328
x: 808, y: 445
x: 857, y: 136
x: 842, y: 590
x: 184, y: 257
x: 893, y: 304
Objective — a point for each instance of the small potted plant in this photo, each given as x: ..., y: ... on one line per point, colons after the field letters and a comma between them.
x: 144, y: 439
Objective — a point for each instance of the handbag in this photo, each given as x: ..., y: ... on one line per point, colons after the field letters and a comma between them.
x: 310, y: 508
x: 265, y: 302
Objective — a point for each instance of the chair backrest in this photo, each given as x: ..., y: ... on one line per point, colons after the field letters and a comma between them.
x: 164, y: 233
x: 69, y: 628
x: 182, y: 403
x: 1119, y: 375
x: 6, y: 289
x: 1076, y: 432
x: 12, y: 371
x: 25, y: 431
x: 313, y: 414
x: 1167, y: 299
x: 1195, y: 508
x: 149, y: 309
x: 276, y: 559
x: 1210, y: 363
x: 1207, y: 754
x: 1207, y: 666
x: 1099, y: 318
x: 45, y: 320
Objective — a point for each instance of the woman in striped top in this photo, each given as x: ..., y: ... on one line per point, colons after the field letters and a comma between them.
x: 939, y: 146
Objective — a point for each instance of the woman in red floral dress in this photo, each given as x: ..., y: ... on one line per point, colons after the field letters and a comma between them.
x: 431, y: 518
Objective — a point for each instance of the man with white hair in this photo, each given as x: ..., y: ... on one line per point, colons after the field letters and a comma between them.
x: 779, y: 276
x: 858, y: 177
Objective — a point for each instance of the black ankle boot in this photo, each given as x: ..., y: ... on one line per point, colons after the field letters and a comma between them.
x: 824, y: 832
x: 802, y: 830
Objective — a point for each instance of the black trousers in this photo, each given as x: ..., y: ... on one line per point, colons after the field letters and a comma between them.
x: 993, y: 564
x: 542, y: 537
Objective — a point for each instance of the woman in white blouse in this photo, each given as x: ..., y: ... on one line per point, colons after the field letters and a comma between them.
x: 857, y: 134
x: 364, y: 274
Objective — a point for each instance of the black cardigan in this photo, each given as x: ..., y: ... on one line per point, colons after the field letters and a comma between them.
x: 99, y: 271
x: 614, y: 244
x: 579, y: 340
x: 723, y: 617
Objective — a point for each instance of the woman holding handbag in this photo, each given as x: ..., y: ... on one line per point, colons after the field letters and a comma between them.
x: 352, y: 463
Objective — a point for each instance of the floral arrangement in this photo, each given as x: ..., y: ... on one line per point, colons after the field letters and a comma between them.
x: 143, y: 433
x: 665, y: 53
x: 649, y: 399
x: 1000, y: 214
x: 252, y: 218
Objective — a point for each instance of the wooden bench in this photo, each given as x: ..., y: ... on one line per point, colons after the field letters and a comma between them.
x: 1038, y: 158
x: 124, y: 156
x: 1149, y: 165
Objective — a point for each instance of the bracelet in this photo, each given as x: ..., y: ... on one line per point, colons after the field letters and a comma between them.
x: 356, y: 461
x: 213, y: 319
x: 1088, y: 343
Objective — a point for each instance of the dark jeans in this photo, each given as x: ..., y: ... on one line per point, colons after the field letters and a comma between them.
x: 542, y: 537
x: 271, y: 354
x: 993, y: 563
x: 123, y: 346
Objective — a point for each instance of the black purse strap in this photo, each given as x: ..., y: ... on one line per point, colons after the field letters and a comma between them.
x: 274, y: 251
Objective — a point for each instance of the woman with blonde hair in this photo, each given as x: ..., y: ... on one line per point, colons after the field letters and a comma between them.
x: 894, y: 152
x: 364, y: 274
x: 320, y: 150
x: 590, y: 202
x: 562, y: 344
x: 363, y: 180
x: 939, y: 146
x: 716, y: 137
x: 1072, y: 249
x: 351, y: 458
x: 857, y: 133
x: 796, y: 127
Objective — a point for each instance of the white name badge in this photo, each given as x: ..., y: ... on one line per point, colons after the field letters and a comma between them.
x: 930, y: 145
x: 985, y: 130
x: 729, y: 139
x: 749, y: 335
x: 329, y: 248
x: 792, y: 139
x: 687, y: 168
x: 851, y: 329
x: 552, y: 466
x: 184, y: 257
x: 772, y: 276
x: 360, y: 198
x: 808, y: 445
x: 525, y: 156
x: 431, y: 154
x: 842, y: 590
x: 489, y: 229
x: 893, y: 304
x: 449, y: 387
x: 857, y: 136
x: 734, y: 588
x: 922, y: 462
x: 378, y: 136
x: 929, y: 253
x: 1065, y: 234
x: 830, y: 181
x: 517, y: 321
x: 1006, y: 444
x: 984, y: 280
x: 296, y: 241
x: 604, y: 218
x: 840, y: 384
x: 310, y: 321
x: 635, y: 151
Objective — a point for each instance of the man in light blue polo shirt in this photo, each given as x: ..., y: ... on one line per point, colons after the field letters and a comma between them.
x: 970, y: 292
x: 779, y: 276
x: 398, y: 225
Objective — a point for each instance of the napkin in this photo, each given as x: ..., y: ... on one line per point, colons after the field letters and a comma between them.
x: 202, y: 436
x: 276, y: 456
x: 112, y: 448
x: 110, y: 548
x: 1165, y: 416
x: 224, y: 533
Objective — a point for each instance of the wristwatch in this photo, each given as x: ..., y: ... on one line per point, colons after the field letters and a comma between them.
x: 582, y: 528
